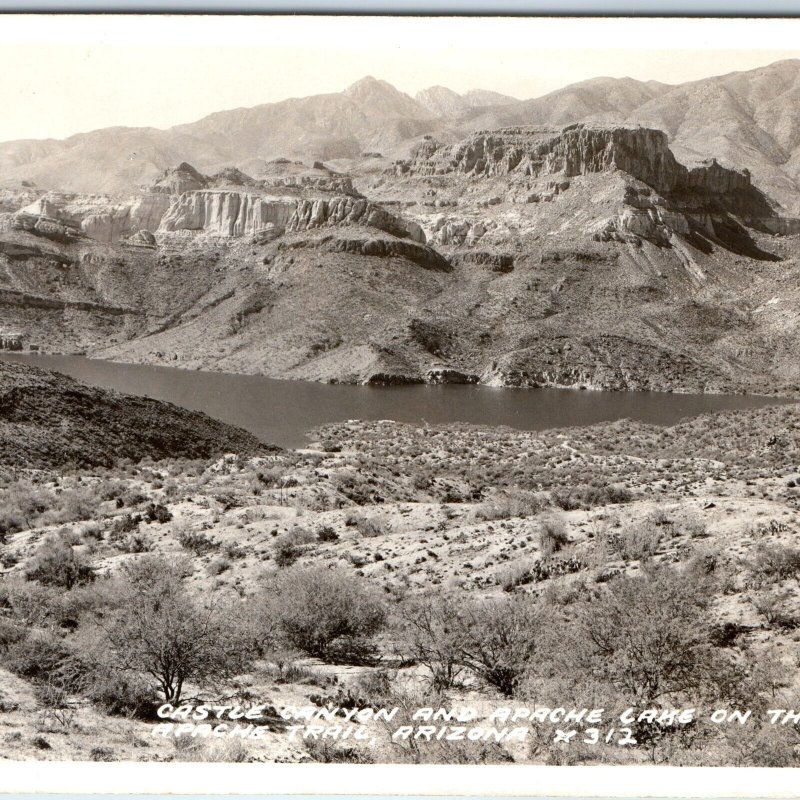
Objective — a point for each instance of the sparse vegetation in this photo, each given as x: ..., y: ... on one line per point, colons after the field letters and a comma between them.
x: 324, y: 612
x: 454, y: 574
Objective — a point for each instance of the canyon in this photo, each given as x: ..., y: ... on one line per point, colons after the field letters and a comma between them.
x: 578, y: 255
x: 440, y: 538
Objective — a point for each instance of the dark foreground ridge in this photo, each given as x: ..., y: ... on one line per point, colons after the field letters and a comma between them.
x: 50, y: 420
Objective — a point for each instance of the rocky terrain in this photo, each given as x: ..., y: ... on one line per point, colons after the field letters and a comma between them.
x: 48, y: 420
x: 699, y: 521
x: 746, y: 119
x: 586, y: 255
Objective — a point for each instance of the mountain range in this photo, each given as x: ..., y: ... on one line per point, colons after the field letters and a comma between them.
x: 745, y: 119
x: 614, y: 234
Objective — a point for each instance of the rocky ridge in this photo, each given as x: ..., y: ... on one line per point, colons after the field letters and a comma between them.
x: 582, y: 256
x: 662, y: 197
x: 229, y: 204
x: 49, y: 420
x: 578, y: 149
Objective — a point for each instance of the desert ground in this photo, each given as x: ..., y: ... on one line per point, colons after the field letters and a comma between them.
x: 393, y: 566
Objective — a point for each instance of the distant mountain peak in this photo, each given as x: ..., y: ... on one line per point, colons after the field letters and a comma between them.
x: 379, y: 97
x: 370, y: 84
x: 443, y: 101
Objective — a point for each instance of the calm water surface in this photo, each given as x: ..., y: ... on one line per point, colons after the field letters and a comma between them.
x: 283, y: 411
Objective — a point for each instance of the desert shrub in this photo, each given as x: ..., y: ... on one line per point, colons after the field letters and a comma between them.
x: 541, y: 569
x: 138, y: 542
x: 32, y: 604
x: 102, y: 753
x: 587, y: 496
x: 10, y: 633
x: 74, y: 504
x: 519, y: 573
x: 58, y: 564
x: 161, y: 632
x: 218, y: 566
x: 270, y: 477
x: 22, y: 504
x: 553, y: 535
x: 648, y: 637
x: 774, y: 608
x: 157, y: 512
x: 637, y: 542
x: 198, y: 542
x: 288, y: 547
x: 436, y: 751
x: 122, y: 693
x: 123, y: 525
x: 327, y: 613
x: 498, y: 639
x: 232, y: 751
x: 331, y: 446
x: 40, y: 743
x: 424, y: 628
x: 327, y: 534
x: 92, y: 532
x: 234, y: 551
x: 368, y: 527
x: 37, y: 656
x: 774, y: 562
x: 285, y: 669
x: 693, y: 525
x: 324, y: 751
x: 130, y: 498
x: 110, y: 489
x: 355, y: 488
x: 511, y: 504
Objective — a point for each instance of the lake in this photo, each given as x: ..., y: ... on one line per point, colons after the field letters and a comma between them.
x: 282, y: 411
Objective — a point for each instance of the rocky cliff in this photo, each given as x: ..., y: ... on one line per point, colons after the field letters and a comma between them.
x: 575, y: 150
x: 351, y: 211
x: 100, y: 216
x: 226, y: 213
x: 229, y: 203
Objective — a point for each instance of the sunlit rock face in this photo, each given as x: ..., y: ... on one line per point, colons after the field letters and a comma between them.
x: 101, y: 217
x: 575, y: 150
x: 226, y: 213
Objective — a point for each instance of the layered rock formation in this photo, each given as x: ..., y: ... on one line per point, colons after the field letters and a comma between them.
x: 99, y: 216
x: 575, y: 150
x: 660, y: 198
x: 334, y: 184
x: 229, y: 203
x: 310, y: 214
x: 420, y: 254
x: 226, y: 213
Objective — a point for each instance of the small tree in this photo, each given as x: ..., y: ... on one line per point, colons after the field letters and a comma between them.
x: 647, y: 636
x: 427, y: 629
x: 328, y: 613
x: 160, y: 631
x: 497, y: 639
x: 57, y: 563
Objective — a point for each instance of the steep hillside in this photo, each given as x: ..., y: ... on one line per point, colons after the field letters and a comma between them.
x: 48, y: 420
x: 370, y: 115
x: 442, y: 102
x: 598, y: 99
x: 578, y: 256
x: 582, y: 257
x: 747, y: 119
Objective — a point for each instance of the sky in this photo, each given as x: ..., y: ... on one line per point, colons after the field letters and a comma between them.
x: 68, y: 74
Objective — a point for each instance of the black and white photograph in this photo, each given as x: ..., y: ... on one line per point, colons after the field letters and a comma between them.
x: 411, y: 391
